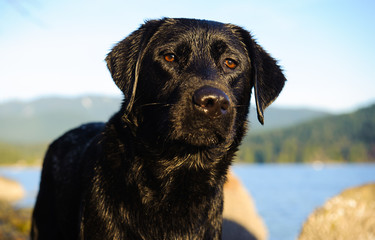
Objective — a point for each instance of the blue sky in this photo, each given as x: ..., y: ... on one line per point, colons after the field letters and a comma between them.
x: 326, y: 47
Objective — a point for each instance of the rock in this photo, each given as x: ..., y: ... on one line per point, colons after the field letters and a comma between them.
x: 14, y: 223
x: 10, y: 190
x: 241, y: 220
x: 347, y: 216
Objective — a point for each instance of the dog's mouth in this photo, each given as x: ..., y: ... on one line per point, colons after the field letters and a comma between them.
x: 206, y: 120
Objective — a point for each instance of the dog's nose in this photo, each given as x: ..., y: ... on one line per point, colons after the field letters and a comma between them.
x: 211, y: 101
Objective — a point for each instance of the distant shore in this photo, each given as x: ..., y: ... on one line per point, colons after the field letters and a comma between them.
x: 11, y: 190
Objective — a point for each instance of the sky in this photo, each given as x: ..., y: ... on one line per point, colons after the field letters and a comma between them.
x: 57, y: 48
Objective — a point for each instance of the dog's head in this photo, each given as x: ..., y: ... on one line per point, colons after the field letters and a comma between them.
x: 190, y: 80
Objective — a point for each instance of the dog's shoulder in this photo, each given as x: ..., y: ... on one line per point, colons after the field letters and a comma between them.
x: 79, y: 136
x: 67, y: 150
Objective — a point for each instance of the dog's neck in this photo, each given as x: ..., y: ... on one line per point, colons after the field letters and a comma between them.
x: 183, y: 194
x: 192, y: 171
x: 168, y: 158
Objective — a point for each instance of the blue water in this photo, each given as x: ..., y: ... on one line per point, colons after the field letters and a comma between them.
x: 284, y: 194
x: 28, y: 177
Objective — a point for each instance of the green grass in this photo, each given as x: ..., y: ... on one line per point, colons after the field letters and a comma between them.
x: 23, y: 154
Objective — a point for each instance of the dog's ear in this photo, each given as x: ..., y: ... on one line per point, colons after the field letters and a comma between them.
x: 267, y: 75
x: 125, y: 59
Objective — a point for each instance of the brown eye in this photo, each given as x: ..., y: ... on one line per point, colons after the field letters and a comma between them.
x: 169, y: 57
x: 230, y: 63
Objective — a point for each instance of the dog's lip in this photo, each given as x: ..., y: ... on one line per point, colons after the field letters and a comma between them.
x: 204, y: 135
x: 200, y: 141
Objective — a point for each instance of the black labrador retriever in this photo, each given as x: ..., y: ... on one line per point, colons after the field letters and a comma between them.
x: 156, y: 169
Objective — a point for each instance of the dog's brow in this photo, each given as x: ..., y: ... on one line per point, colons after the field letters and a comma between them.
x: 218, y: 47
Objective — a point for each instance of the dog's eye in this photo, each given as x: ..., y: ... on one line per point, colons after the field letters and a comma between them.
x: 230, y: 63
x: 170, y: 57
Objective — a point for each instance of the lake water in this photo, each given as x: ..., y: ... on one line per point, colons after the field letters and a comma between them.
x: 284, y: 194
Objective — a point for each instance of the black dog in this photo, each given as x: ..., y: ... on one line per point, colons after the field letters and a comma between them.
x: 156, y: 169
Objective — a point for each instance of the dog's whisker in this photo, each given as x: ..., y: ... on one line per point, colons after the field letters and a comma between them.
x: 156, y: 104
x: 171, y: 104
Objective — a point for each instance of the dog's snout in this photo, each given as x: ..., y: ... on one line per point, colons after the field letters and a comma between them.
x: 211, y: 101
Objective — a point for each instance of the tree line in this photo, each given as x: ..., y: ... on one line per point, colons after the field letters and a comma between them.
x: 340, y: 138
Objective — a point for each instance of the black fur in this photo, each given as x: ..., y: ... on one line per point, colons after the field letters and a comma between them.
x: 156, y: 169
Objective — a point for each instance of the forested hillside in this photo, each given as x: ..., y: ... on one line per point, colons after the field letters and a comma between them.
x: 42, y: 120
x: 24, y: 154
x: 340, y: 138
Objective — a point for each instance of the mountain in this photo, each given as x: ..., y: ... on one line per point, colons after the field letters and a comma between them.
x: 275, y: 118
x: 340, y: 138
x: 42, y: 120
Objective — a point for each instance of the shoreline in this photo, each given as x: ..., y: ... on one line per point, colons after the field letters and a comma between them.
x: 11, y: 190
x: 235, y: 163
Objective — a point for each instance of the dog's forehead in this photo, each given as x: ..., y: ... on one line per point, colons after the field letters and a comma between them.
x: 195, y: 32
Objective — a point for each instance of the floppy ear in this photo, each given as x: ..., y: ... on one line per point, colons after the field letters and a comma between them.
x: 267, y: 75
x: 125, y: 59
x: 268, y: 80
